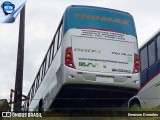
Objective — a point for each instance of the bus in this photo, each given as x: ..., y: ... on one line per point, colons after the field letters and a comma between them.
x: 93, y: 57
x: 149, y: 94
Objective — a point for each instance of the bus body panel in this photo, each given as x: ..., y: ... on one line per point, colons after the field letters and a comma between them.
x: 158, y: 92
x: 88, y: 75
x: 49, y: 86
x: 148, y: 98
x: 149, y: 93
x: 103, y: 55
x: 114, y: 32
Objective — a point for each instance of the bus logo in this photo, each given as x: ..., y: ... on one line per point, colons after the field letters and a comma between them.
x: 101, y: 18
x: 84, y: 64
x: 87, y: 50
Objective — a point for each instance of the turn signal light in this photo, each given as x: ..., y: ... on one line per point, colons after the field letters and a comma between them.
x: 136, y: 64
x: 69, y: 58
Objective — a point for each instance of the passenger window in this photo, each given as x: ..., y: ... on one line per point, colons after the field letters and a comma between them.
x: 60, y: 36
x: 48, y: 61
x: 158, y: 47
x: 36, y: 84
x: 52, y: 53
x: 144, y: 59
x: 41, y: 75
x: 151, y: 53
x: 55, y: 43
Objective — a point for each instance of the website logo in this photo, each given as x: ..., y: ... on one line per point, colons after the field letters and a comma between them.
x: 12, y: 114
x: 8, y: 7
x: 9, y: 10
x: 6, y: 114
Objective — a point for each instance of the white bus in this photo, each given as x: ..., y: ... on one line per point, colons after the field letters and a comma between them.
x: 92, y: 61
x: 149, y: 94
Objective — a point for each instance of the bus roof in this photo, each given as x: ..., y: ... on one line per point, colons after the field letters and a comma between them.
x: 86, y: 17
x: 94, y: 7
x: 149, y: 39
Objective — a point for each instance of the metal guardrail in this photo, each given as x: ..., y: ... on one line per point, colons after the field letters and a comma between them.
x: 26, y: 98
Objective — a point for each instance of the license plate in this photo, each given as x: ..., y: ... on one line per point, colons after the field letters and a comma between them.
x: 105, y: 79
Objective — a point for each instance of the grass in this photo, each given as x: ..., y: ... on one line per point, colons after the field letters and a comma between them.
x: 136, y: 108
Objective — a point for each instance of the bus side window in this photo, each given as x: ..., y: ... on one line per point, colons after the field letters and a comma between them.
x: 158, y: 47
x: 151, y: 53
x: 41, y: 72
x: 29, y: 95
x: 48, y: 60
x: 60, y: 36
x: 36, y: 84
x: 38, y: 79
x: 44, y: 68
x: 144, y: 59
x: 33, y: 87
x: 55, y: 43
x: 51, y: 54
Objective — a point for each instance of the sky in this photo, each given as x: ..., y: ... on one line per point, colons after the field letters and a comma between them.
x: 42, y: 19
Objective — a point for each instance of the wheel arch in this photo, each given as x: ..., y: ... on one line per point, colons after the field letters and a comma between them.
x: 133, y: 101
